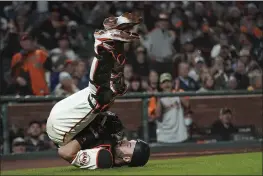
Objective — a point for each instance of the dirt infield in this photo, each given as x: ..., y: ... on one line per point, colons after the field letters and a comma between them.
x: 56, y: 162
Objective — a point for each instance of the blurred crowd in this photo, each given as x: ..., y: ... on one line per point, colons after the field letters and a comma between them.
x: 31, y: 139
x: 47, y: 47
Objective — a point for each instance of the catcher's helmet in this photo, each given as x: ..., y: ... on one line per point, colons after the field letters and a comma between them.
x: 141, y: 154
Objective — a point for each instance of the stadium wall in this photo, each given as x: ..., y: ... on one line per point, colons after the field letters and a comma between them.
x: 163, y: 151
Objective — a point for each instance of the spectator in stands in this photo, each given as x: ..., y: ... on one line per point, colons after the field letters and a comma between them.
x: 18, y: 145
x: 159, y: 45
x: 21, y: 24
x: 219, y: 74
x: 187, y: 46
x: 244, y: 57
x: 241, y: 77
x: 66, y: 86
x: 76, y: 38
x: 28, y: 68
x: 223, y: 127
x: 127, y: 72
x: 204, y: 72
x: 219, y: 29
x: 68, y: 66
x: 32, y: 140
x: 194, y: 131
x: 207, y: 84
x: 44, y: 137
x: 153, y: 83
x: 80, y: 74
x: 64, y: 48
x: 232, y: 83
x: 49, y: 30
x: 15, y: 132
x: 186, y: 83
x: 135, y: 84
x: 256, y: 83
x: 140, y: 65
x: 170, y: 114
x: 60, y: 65
x: 198, y: 64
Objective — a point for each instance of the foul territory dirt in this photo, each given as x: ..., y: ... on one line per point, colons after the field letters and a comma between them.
x: 45, y: 163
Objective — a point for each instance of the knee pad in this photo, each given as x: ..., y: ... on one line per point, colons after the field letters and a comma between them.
x: 104, y: 159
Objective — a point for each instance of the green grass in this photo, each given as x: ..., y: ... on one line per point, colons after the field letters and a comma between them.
x: 233, y: 164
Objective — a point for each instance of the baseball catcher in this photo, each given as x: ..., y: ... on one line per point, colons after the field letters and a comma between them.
x: 70, y: 120
x: 103, y: 146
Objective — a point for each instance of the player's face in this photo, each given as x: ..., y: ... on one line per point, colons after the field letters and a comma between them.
x: 27, y: 44
x: 34, y: 130
x: 127, y: 147
x: 226, y: 118
x: 63, y: 43
x: 184, y: 70
x: 153, y: 76
x: 124, y: 151
x: 167, y: 86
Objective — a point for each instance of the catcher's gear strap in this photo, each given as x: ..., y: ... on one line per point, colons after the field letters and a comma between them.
x: 101, y: 67
x: 117, y: 84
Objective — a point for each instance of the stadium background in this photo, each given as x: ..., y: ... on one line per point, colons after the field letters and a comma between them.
x: 220, y: 41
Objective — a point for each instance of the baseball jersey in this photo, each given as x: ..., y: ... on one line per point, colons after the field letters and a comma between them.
x: 70, y: 115
x: 171, y: 127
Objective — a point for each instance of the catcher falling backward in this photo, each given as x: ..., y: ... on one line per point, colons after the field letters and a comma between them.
x: 70, y: 123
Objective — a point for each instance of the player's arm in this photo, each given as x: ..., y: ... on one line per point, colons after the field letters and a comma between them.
x: 159, y: 109
x: 185, y: 102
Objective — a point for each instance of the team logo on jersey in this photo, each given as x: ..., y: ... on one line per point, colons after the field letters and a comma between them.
x: 84, y: 159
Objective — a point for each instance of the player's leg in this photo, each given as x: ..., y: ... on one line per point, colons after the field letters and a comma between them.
x: 79, y: 151
x: 104, y: 71
x: 100, y: 74
x: 86, y: 158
